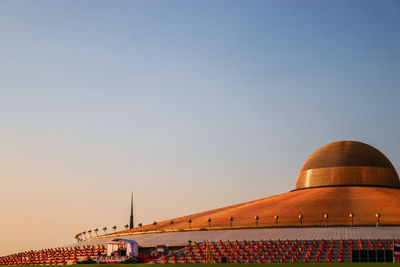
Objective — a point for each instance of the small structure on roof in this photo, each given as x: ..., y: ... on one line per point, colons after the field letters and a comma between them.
x: 123, y: 247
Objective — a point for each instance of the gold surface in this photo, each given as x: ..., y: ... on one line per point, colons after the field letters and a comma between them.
x: 333, y: 180
x: 347, y: 176
x: 338, y: 202
x: 347, y: 163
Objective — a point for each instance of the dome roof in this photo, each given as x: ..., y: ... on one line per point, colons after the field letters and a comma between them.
x: 345, y: 177
x: 347, y: 163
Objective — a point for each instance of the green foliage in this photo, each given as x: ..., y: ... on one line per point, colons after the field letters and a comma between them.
x: 129, y: 261
x: 88, y: 261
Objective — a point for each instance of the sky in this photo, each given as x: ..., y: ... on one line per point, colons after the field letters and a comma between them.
x: 191, y: 105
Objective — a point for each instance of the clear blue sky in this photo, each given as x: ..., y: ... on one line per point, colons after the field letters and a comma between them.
x: 192, y: 105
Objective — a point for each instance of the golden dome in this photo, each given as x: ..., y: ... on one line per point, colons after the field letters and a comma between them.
x: 345, y: 177
x: 347, y: 163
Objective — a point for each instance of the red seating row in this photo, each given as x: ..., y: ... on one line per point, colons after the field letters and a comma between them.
x: 233, y: 251
x: 57, y: 256
x: 273, y: 251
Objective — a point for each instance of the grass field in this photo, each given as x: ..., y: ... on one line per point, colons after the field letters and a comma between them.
x: 349, y: 264
x: 255, y: 264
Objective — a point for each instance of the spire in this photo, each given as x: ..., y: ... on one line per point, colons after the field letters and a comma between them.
x: 131, y: 224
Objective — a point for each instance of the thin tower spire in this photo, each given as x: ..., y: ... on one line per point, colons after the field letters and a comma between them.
x: 131, y: 224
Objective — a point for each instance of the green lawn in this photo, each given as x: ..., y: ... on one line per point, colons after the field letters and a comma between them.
x: 250, y: 264
x: 237, y: 264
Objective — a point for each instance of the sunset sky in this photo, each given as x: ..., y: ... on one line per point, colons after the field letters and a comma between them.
x: 191, y: 105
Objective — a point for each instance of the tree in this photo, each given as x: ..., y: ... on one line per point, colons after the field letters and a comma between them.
x: 256, y: 218
x: 78, y: 237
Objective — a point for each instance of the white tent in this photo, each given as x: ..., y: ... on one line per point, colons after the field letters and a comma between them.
x: 131, y: 246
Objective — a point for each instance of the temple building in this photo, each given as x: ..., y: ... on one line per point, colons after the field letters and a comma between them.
x: 341, y: 184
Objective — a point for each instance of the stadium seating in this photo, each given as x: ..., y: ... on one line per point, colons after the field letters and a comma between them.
x: 57, y: 256
x: 278, y: 251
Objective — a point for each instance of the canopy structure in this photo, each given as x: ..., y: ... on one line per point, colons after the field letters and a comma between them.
x: 122, y: 247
